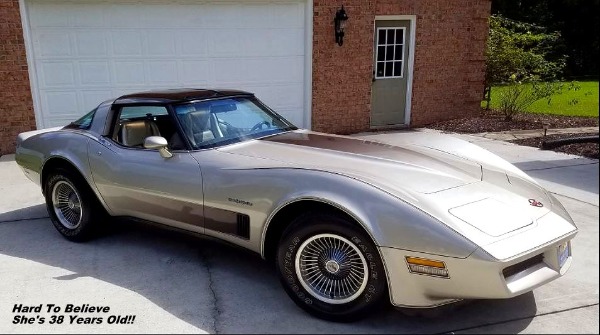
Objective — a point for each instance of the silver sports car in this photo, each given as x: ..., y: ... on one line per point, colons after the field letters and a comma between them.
x: 349, y: 223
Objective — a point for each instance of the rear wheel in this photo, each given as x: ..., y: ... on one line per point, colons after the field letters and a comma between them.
x: 72, y: 206
x: 330, y: 268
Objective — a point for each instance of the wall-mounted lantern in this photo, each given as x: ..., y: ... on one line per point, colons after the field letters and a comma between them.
x: 340, y: 24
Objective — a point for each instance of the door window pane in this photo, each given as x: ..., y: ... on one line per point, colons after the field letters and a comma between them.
x: 381, y: 38
x: 380, y: 69
x: 390, y: 36
x: 397, y: 69
x: 380, y: 53
x: 389, y: 53
x: 399, y: 36
x: 389, y: 66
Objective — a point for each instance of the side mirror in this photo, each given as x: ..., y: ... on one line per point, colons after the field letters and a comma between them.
x: 160, y: 143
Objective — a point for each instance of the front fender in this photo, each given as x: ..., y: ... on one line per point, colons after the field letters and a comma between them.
x: 390, y: 221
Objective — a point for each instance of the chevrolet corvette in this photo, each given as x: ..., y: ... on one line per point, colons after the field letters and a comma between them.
x: 350, y: 224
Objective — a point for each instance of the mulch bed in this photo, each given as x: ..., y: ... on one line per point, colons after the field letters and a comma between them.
x: 491, y: 121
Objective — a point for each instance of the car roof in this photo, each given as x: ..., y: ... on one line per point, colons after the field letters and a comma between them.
x: 177, y: 95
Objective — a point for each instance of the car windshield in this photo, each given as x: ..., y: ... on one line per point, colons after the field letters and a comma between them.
x: 218, y: 122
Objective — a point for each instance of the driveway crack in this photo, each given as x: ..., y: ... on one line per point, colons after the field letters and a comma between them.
x: 216, y: 311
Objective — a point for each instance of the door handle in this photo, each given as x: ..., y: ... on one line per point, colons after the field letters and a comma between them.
x: 373, y: 78
x: 104, y: 141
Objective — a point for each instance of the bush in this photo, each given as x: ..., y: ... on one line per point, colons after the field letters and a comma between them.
x: 517, y: 97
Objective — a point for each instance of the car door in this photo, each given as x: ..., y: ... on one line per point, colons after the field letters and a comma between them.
x: 138, y: 182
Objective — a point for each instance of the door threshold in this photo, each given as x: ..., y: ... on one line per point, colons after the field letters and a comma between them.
x: 390, y: 127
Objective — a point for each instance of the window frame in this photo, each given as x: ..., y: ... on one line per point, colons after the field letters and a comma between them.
x: 75, y: 125
x: 116, y: 110
x: 393, y: 60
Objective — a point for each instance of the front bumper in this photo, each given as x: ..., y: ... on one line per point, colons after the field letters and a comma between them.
x: 478, y: 276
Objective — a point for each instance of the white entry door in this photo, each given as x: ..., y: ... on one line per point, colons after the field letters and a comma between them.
x: 82, y: 52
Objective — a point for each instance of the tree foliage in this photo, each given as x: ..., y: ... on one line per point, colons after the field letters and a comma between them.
x: 576, y: 20
x: 521, y: 51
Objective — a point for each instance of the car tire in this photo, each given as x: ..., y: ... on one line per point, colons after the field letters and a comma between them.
x: 331, y: 268
x: 73, y: 207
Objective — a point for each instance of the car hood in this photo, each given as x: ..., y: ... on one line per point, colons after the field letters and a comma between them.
x: 419, y: 169
x: 464, y: 186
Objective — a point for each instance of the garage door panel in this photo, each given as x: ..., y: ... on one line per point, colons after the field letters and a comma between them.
x: 192, y: 43
x: 126, y: 43
x: 287, y: 42
x: 47, y: 15
x: 226, y: 43
x: 194, y: 72
x: 90, y: 97
x: 191, y: 16
x: 160, y: 43
x: 60, y: 104
x: 286, y: 69
x: 223, y: 16
x: 160, y: 16
x: 86, y: 51
x: 129, y: 72
x: 162, y: 72
x: 91, y: 43
x: 57, y: 74
x: 288, y: 15
x: 94, y: 73
x: 89, y: 15
x: 271, y: 95
x: 53, y: 44
x: 124, y: 15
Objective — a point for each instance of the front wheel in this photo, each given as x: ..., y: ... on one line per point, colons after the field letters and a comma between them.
x: 72, y: 206
x: 330, y: 268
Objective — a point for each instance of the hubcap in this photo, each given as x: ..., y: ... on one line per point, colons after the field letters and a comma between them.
x: 331, y: 268
x: 67, y: 204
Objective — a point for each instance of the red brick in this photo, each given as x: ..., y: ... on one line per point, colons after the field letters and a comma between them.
x: 16, y: 105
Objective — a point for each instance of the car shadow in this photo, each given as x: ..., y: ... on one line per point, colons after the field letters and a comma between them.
x: 582, y: 176
x: 218, y: 287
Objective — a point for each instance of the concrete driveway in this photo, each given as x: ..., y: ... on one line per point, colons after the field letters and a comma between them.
x: 174, y: 283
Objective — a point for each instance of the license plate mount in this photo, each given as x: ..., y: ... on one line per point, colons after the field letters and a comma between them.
x: 564, y: 251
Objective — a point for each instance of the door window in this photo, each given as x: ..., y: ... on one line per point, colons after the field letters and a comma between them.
x: 390, y: 53
x: 135, y: 123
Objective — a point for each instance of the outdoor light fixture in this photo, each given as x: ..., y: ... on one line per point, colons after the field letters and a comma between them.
x: 340, y: 24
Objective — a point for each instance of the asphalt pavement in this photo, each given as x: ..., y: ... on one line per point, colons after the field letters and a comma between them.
x: 175, y: 283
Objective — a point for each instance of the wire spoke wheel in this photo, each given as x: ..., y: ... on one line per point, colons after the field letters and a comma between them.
x: 67, y: 204
x: 331, y: 268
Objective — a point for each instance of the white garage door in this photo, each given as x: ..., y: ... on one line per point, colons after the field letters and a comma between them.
x: 84, y: 52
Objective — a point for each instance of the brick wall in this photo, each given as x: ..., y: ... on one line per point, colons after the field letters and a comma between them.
x: 448, y: 70
x: 16, y: 106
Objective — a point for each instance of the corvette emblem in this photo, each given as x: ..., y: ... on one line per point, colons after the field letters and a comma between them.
x: 535, y: 203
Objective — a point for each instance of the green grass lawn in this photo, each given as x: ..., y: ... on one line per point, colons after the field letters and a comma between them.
x: 580, y: 102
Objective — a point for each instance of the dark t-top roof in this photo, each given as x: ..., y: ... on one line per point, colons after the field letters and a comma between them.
x: 177, y: 95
